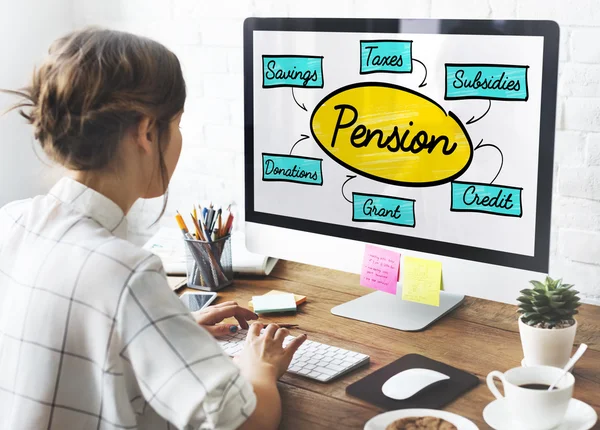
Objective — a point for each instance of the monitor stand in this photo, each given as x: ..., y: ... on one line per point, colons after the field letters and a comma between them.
x: 391, y: 311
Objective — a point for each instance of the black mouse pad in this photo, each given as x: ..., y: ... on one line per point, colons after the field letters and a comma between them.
x: 433, y: 397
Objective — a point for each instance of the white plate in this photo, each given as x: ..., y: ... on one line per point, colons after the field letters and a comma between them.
x: 381, y: 421
x: 579, y: 416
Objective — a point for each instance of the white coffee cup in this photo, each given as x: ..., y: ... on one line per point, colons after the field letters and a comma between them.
x: 530, y: 408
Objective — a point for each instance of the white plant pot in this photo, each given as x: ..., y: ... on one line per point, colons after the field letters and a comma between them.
x: 547, y: 347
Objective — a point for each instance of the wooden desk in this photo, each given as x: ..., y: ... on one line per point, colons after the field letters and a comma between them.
x: 479, y: 337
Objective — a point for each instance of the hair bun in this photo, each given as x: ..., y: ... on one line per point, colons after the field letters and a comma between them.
x: 93, y: 87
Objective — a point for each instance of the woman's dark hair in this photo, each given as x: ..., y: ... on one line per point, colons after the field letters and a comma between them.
x: 96, y: 84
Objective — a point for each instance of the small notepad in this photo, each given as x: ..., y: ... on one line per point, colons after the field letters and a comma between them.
x: 299, y: 299
x: 274, y: 303
x: 422, y: 281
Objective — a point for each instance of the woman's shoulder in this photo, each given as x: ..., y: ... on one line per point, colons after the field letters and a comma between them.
x: 15, y: 208
x: 11, y: 214
x: 131, y: 256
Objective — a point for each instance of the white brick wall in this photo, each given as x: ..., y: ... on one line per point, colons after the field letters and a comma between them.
x: 207, y: 37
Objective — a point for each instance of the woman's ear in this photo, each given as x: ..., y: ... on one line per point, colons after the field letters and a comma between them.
x: 146, y: 134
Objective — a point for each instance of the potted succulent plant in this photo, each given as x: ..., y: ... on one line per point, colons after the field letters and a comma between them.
x: 547, y: 324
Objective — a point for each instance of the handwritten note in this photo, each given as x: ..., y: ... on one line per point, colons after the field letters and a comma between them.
x: 422, y: 281
x: 380, y: 269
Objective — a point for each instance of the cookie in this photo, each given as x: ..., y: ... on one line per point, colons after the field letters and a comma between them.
x: 420, y: 423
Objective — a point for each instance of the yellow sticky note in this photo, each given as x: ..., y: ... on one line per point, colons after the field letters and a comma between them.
x: 422, y: 280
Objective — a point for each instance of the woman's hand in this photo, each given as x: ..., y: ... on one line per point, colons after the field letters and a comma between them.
x: 264, y: 358
x: 210, y: 317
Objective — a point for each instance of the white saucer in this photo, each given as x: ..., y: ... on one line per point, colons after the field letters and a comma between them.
x: 580, y: 416
x: 381, y: 421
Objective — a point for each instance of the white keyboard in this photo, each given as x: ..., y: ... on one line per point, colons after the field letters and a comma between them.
x: 313, y: 359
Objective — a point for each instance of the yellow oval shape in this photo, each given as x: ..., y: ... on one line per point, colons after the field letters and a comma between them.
x: 392, y: 134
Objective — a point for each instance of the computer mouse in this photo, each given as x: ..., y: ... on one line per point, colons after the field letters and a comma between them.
x: 409, y: 382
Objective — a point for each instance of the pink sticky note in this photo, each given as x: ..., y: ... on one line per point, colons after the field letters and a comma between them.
x: 380, y: 269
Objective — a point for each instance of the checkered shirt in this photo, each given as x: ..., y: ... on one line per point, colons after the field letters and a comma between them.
x: 91, y: 336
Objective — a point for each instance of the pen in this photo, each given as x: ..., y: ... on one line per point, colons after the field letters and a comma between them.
x: 205, y: 230
x: 233, y: 330
x: 219, y: 222
x: 213, y: 224
x: 209, y: 219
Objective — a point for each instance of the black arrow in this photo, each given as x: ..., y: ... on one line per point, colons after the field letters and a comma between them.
x: 301, y: 105
x: 501, y: 156
x: 472, y: 120
x: 350, y: 177
x: 303, y: 137
x: 425, y: 78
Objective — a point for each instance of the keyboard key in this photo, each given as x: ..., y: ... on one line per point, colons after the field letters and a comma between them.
x: 314, y: 374
x: 325, y: 370
x: 310, y: 366
x: 323, y: 378
x: 335, y: 367
x: 336, y: 361
x: 304, y: 372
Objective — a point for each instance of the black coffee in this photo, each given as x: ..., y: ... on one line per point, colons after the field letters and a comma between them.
x: 543, y: 387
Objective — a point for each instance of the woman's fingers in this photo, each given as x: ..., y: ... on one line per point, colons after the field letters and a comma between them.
x: 281, y: 334
x: 221, y: 329
x: 254, y: 330
x: 242, y: 321
x: 271, y: 330
x: 216, y: 315
x: 293, y: 346
x: 220, y: 305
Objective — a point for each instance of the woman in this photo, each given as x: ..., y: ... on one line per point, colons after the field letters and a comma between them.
x: 91, y: 336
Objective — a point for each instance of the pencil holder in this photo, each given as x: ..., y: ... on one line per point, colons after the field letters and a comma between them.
x: 208, y: 264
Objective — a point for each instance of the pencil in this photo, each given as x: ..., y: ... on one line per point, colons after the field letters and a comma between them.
x: 182, y: 225
x: 225, y: 222
x: 199, y: 234
x: 229, y: 224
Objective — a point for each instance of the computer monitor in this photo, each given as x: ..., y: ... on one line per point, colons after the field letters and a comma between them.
x: 433, y: 138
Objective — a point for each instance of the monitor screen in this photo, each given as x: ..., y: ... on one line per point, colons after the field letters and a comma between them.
x: 430, y: 135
